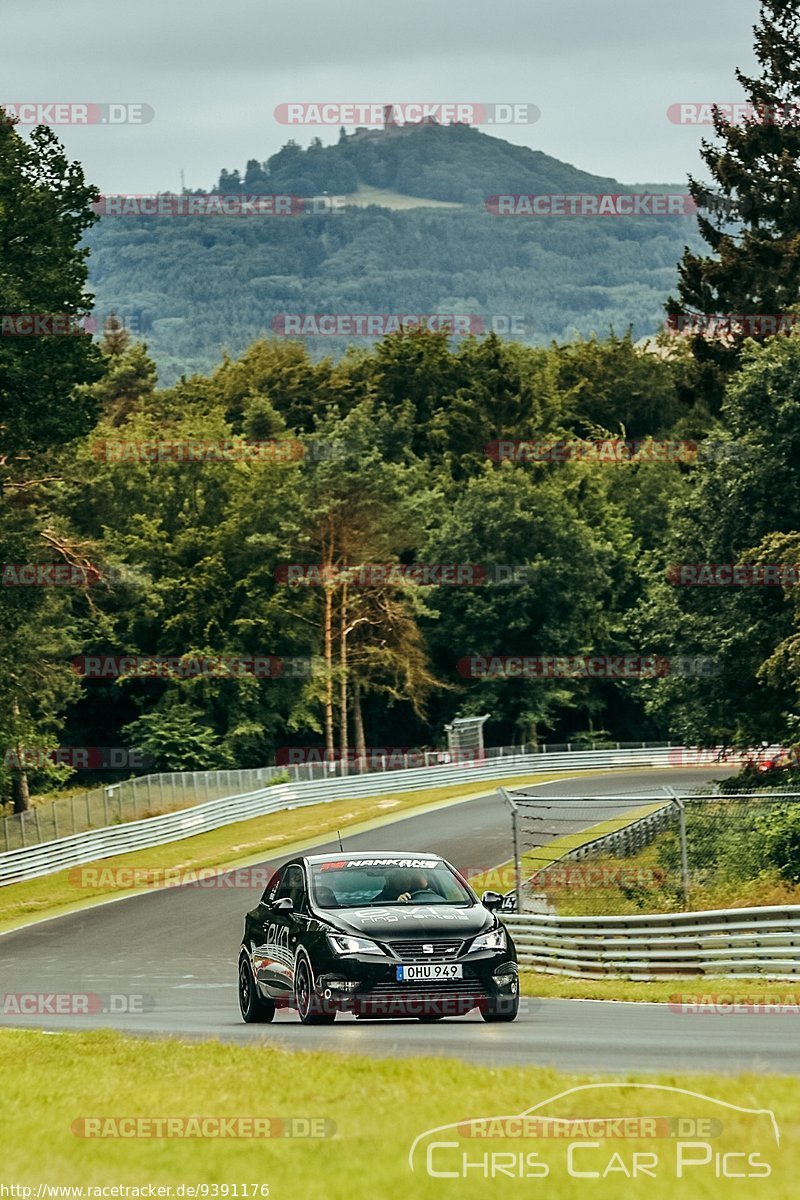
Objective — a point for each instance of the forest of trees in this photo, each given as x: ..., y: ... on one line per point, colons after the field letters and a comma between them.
x: 384, y: 456
x: 195, y: 285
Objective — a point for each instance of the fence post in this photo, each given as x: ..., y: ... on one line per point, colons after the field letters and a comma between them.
x: 517, y: 859
x: 38, y: 826
x: 55, y: 817
x: 684, y: 852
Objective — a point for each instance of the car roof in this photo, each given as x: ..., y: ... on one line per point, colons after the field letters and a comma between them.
x: 391, y: 855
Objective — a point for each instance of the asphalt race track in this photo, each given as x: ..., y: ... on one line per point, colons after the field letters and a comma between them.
x: 175, y: 951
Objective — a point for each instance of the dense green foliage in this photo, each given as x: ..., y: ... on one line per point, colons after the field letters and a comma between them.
x: 394, y: 469
x: 455, y: 163
x: 381, y: 454
x: 197, y: 284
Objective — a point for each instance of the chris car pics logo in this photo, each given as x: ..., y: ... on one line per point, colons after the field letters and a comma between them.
x: 607, y: 1132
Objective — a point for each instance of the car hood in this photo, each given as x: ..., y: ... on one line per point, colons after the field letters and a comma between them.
x: 432, y: 921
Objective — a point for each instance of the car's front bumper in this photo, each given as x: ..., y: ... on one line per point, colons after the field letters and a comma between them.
x: 369, y: 986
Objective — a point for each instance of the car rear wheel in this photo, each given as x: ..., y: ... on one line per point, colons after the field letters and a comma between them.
x: 310, y: 1006
x: 254, y: 1007
x: 501, y: 1008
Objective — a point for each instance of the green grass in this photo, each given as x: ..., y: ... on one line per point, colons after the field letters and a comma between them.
x: 379, y: 1108
x: 689, y: 988
x: 502, y: 878
x: 387, y: 198
x: 241, y: 844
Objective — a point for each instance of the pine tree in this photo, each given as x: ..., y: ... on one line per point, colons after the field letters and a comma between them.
x: 750, y: 218
x: 116, y: 337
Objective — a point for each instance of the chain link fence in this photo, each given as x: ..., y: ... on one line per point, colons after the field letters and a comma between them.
x: 655, y: 851
x: 152, y: 795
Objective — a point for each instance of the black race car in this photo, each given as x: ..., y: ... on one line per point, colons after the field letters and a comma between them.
x: 379, y: 935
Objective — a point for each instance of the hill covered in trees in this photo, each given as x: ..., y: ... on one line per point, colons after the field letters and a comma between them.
x: 196, y: 285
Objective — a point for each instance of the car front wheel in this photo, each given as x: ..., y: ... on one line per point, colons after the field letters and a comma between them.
x: 310, y: 1006
x: 501, y: 1008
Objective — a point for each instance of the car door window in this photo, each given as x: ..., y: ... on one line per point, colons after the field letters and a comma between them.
x: 273, y: 887
x: 293, y: 885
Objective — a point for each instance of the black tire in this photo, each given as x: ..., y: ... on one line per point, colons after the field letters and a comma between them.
x: 501, y: 1008
x: 311, y: 1008
x: 254, y: 1008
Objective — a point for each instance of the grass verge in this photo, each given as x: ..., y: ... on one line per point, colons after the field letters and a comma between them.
x: 241, y: 844
x: 379, y: 1108
x: 503, y: 877
x: 697, y: 989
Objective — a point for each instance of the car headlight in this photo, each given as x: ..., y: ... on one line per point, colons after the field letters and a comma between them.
x: 495, y: 940
x: 344, y: 944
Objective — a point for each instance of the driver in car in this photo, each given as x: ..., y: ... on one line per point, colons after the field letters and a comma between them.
x: 419, y: 883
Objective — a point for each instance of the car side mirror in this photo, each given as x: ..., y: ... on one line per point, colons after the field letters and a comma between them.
x: 285, y: 904
x: 491, y: 900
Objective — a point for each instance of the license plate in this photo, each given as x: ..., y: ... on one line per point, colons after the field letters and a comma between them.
x: 432, y: 971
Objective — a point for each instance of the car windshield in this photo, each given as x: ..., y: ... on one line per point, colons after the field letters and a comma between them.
x: 358, y: 882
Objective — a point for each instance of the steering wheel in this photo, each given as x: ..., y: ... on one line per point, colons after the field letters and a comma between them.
x: 425, y: 892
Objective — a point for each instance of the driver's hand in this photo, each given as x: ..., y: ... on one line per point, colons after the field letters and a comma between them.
x: 404, y: 896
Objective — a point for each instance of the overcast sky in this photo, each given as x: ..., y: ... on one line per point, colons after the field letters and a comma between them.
x: 603, y: 75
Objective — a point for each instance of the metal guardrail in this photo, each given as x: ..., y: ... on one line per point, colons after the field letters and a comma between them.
x: 56, y: 855
x: 741, y: 941
x: 153, y: 795
x: 678, y: 814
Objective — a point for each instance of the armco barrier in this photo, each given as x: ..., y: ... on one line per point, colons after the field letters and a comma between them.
x: 740, y: 941
x: 143, y: 796
x: 65, y: 852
